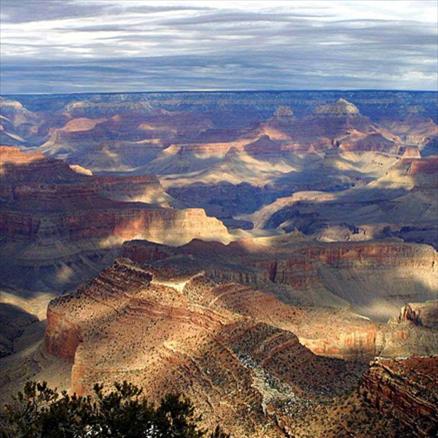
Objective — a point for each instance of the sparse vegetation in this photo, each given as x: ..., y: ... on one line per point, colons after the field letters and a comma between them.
x: 40, y: 411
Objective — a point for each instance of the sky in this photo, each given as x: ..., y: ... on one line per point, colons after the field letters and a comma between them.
x: 69, y: 46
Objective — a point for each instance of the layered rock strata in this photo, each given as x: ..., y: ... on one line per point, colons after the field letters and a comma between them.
x: 238, y: 371
x: 57, y: 222
x: 407, y: 390
x: 377, y: 277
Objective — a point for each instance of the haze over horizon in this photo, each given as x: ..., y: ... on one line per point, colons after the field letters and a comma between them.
x: 134, y: 46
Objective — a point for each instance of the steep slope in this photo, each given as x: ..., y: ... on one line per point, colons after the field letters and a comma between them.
x: 377, y: 278
x: 121, y: 136
x: 407, y: 390
x: 238, y: 371
x: 18, y: 125
x: 402, y: 202
x: 331, y: 126
x: 60, y: 226
x: 230, y: 348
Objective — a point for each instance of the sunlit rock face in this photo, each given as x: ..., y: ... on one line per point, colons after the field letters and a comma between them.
x: 406, y: 389
x: 340, y: 108
x: 127, y: 324
x: 166, y: 328
x: 420, y: 314
x: 51, y: 217
x: 18, y: 125
x: 377, y: 278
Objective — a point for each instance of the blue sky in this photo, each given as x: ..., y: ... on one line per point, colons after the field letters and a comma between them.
x: 50, y: 46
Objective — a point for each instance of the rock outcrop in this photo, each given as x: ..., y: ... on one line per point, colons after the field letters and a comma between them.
x: 240, y: 371
x: 420, y: 314
x: 56, y: 220
x: 407, y: 390
x: 340, y: 108
x: 329, y: 288
x: 377, y: 277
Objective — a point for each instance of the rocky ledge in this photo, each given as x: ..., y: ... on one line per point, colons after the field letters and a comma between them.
x: 238, y: 370
x: 406, y: 389
x: 55, y: 220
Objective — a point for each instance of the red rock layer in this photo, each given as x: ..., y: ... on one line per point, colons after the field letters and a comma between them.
x: 406, y: 389
x: 296, y: 273
x: 123, y: 326
x: 45, y: 198
x: 425, y: 165
x: 298, y: 265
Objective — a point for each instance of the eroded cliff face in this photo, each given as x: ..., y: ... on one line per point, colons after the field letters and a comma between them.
x: 237, y: 369
x: 62, y: 335
x: 35, y: 189
x: 420, y: 314
x: 407, y: 390
x: 302, y: 267
x: 320, y: 292
x: 327, y: 332
x: 60, y: 222
x: 377, y: 278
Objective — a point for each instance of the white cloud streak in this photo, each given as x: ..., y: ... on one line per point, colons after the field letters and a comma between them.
x: 106, y: 45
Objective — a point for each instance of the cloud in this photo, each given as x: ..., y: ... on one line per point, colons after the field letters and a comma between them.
x: 104, y: 45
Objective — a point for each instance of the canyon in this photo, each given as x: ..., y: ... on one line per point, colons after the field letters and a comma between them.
x: 193, y: 341
x: 271, y: 255
x: 59, y: 226
x: 231, y: 348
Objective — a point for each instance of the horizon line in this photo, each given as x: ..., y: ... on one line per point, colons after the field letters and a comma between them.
x: 249, y: 90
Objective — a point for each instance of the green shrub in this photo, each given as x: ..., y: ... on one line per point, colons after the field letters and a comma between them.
x: 42, y: 412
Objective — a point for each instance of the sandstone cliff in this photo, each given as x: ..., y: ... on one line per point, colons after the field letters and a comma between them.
x: 421, y: 314
x: 238, y: 370
x: 327, y: 288
x: 377, y: 278
x: 57, y: 222
x: 407, y: 390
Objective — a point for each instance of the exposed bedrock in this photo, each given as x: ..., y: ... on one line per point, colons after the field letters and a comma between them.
x: 59, y: 226
x: 215, y: 341
x: 127, y: 222
x: 240, y: 370
x: 421, y: 314
x: 407, y: 390
x: 375, y: 277
x: 325, y: 331
x: 43, y: 197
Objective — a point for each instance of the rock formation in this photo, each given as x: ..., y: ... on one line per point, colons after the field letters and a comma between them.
x: 407, y: 390
x: 231, y: 348
x: 238, y: 371
x: 420, y: 314
x: 329, y: 288
x: 340, y: 108
x: 51, y: 217
x: 360, y: 274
